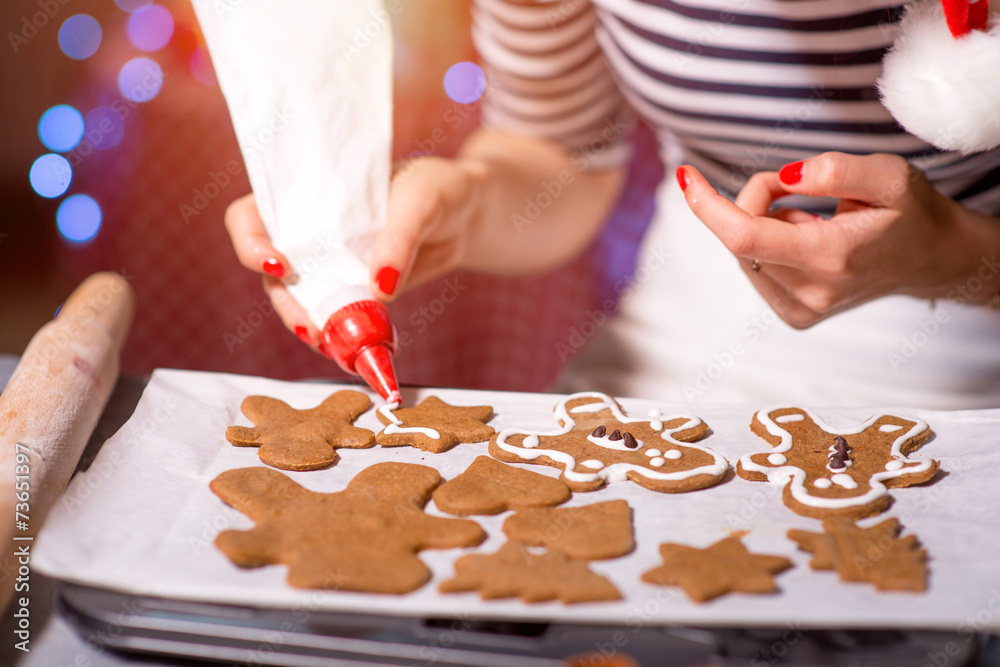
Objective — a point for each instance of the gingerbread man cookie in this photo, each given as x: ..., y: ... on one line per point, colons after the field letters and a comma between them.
x: 827, y: 471
x: 598, y: 444
x: 591, y: 532
x: 433, y: 425
x: 293, y: 439
x: 364, y: 538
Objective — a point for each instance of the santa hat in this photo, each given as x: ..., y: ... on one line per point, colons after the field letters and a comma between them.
x: 941, y: 79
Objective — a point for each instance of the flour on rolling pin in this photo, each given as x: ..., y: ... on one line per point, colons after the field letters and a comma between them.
x: 51, y: 404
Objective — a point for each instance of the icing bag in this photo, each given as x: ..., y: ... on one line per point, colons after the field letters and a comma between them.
x: 309, y: 90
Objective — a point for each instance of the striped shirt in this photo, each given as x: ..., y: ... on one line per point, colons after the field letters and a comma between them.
x: 730, y: 86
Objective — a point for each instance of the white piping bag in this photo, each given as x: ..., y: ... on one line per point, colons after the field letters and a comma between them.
x: 309, y: 89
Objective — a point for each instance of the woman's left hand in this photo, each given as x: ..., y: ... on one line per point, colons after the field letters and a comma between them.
x: 892, y: 233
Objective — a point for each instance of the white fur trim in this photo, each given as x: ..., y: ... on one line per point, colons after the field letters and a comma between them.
x: 944, y: 90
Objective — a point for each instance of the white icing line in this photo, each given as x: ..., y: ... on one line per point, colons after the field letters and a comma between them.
x: 894, y: 464
x: 784, y: 419
x: 530, y: 441
x: 616, y: 471
x: 394, y: 426
x: 889, y: 428
x: 798, y: 475
x: 606, y: 442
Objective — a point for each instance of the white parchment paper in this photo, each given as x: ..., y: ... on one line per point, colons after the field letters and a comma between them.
x: 142, y: 519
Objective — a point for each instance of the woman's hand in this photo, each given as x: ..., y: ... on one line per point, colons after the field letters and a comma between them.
x: 430, y: 208
x: 892, y: 233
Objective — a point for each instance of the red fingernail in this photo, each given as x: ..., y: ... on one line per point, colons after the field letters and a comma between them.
x: 683, y: 178
x: 303, y: 334
x: 791, y: 173
x: 386, y: 278
x: 273, y: 267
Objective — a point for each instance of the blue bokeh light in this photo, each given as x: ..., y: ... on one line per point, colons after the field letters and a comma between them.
x: 151, y: 27
x: 50, y: 175
x: 465, y: 82
x: 105, y: 128
x: 80, y: 36
x: 61, y: 128
x: 140, y: 79
x: 79, y: 218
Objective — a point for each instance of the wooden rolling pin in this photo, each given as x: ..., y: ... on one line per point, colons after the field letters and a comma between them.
x: 50, y: 407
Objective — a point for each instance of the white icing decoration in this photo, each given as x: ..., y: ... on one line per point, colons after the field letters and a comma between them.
x: 822, y: 483
x: 653, y: 452
x: 655, y: 420
x: 777, y: 459
x: 616, y: 472
x: 797, y: 476
x: 606, y: 442
x: 844, y: 480
x: 394, y: 426
x: 784, y: 419
x: 657, y: 462
x: 894, y: 464
x: 592, y: 463
x: 530, y: 441
x: 673, y: 454
x: 889, y: 428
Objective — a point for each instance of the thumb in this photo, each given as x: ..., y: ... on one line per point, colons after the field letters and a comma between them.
x: 413, y: 207
x: 877, y: 179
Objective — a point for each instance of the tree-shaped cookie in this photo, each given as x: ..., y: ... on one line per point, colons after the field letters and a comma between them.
x: 302, y: 439
x: 514, y: 571
x: 724, y: 567
x: 433, y: 425
x: 596, y: 444
x: 364, y: 538
x: 592, y: 532
x: 490, y: 487
x: 828, y: 471
x: 875, y: 555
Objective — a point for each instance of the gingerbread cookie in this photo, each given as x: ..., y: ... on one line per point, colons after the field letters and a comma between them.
x: 597, y: 444
x: 829, y: 471
x: 724, y: 567
x: 591, y: 532
x: 874, y: 555
x: 434, y: 425
x: 364, y: 538
x: 490, y: 487
x: 515, y: 571
x: 302, y: 439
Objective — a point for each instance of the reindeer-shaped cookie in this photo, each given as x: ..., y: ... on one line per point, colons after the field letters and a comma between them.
x: 598, y: 444
x: 844, y: 472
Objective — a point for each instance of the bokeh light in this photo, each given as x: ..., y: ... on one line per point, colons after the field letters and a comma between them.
x: 140, y: 79
x: 79, y: 36
x: 201, y: 67
x: 78, y: 218
x: 151, y: 27
x: 50, y: 175
x: 132, y: 5
x: 104, y: 128
x: 465, y: 82
x: 61, y: 128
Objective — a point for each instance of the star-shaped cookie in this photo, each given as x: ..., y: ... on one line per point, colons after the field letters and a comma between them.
x: 828, y: 471
x: 433, y: 425
x: 874, y: 555
x: 592, y: 532
x: 293, y: 439
x: 597, y: 444
x: 490, y: 487
x: 515, y: 571
x: 364, y: 538
x: 724, y: 567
